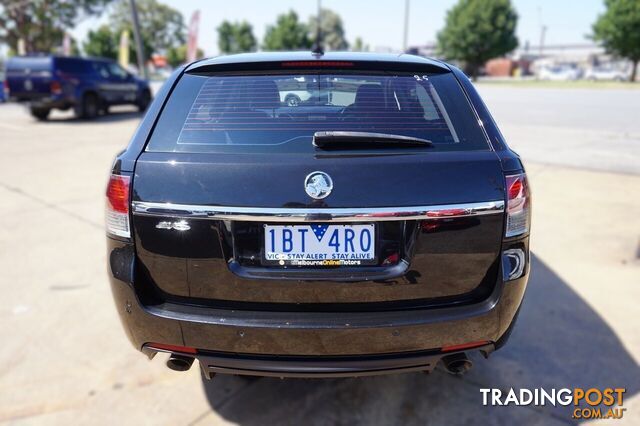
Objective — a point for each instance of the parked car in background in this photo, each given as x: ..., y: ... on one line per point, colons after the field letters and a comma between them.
x: 605, y: 73
x: 317, y: 97
x: 384, y: 231
x: 88, y: 85
x: 3, y: 89
x: 294, y: 98
x: 307, y: 90
x: 559, y: 73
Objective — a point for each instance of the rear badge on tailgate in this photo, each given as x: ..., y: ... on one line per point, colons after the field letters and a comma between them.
x: 318, y: 185
x: 181, y: 225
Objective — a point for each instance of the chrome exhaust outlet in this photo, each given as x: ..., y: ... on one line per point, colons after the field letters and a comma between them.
x: 179, y: 362
x: 457, y: 364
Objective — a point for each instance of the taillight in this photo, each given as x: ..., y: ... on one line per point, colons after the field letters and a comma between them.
x: 518, y: 205
x: 55, y: 87
x: 469, y: 345
x: 172, y: 348
x: 5, y: 87
x: 317, y: 64
x: 117, y: 212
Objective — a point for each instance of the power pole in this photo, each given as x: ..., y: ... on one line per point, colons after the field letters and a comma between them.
x: 318, y: 49
x: 543, y: 31
x: 136, y: 34
x: 406, y: 25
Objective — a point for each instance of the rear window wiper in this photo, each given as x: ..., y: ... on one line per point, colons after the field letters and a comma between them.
x: 354, y: 140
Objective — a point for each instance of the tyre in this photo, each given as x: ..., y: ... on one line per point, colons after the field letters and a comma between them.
x: 292, y: 100
x: 89, y: 107
x: 40, y: 114
x: 144, y: 101
x: 104, y: 108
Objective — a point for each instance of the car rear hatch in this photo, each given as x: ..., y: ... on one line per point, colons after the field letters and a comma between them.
x: 29, y: 78
x: 235, y: 205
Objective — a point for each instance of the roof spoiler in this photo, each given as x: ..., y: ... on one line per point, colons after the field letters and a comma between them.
x: 317, y: 62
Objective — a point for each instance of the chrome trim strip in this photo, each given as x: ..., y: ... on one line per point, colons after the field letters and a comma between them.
x: 267, y: 214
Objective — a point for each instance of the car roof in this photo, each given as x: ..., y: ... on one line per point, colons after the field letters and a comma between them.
x: 258, y: 58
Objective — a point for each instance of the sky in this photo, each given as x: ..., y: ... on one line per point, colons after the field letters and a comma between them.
x: 380, y: 22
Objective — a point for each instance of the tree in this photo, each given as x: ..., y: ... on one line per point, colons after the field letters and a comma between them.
x: 41, y: 24
x: 287, y: 34
x: 75, y: 49
x: 359, y: 45
x: 332, y: 30
x: 478, y: 30
x: 619, y: 30
x: 161, y: 27
x: 177, y: 56
x: 102, y: 42
x: 236, y: 37
x: 105, y: 43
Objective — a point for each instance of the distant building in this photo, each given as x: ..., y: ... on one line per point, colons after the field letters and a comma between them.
x: 579, y: 53
x: 561, y: 52
x: 385, y: 49
x: 427, y: 50
x: 528, y: 59
x: 583, y: 56
x: 502, y: 67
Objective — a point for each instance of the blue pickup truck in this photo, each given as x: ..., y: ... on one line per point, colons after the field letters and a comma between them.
x: 88, y: 85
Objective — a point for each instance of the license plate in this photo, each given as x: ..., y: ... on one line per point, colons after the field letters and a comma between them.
x: 320, y: 245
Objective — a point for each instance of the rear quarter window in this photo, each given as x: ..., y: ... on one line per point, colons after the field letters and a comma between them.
x: 281, y: 112
x: 73, y: 65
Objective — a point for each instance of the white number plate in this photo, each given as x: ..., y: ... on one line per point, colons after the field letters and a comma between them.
x: 320, y: 244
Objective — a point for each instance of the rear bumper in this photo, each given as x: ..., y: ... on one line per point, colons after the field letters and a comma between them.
x: 317, y: 367
x: 310, y: 343
x: 45, y: 102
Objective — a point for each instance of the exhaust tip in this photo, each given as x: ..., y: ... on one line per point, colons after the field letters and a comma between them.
x: 457, y: 364
x: 179, y: 362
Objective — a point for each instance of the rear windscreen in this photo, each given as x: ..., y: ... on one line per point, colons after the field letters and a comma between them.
x: 266, y: 113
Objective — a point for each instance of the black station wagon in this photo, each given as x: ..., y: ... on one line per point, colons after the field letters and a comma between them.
x: 379, y: 225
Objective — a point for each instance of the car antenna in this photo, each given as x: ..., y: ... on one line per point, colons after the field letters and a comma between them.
x: 317, y: 47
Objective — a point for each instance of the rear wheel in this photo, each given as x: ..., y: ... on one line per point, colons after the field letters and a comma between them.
x: 40, y: 114
x: 292, y: 100
x: 89, y: 107
x: 144, y: 101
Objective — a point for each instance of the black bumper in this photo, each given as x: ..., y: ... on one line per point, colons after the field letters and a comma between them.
x: 47, y: 102
x: 310, y: 344
x: 318, y: 367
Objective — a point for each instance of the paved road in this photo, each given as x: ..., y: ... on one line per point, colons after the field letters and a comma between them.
x: 598, y: 129
x: 65, y: 359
